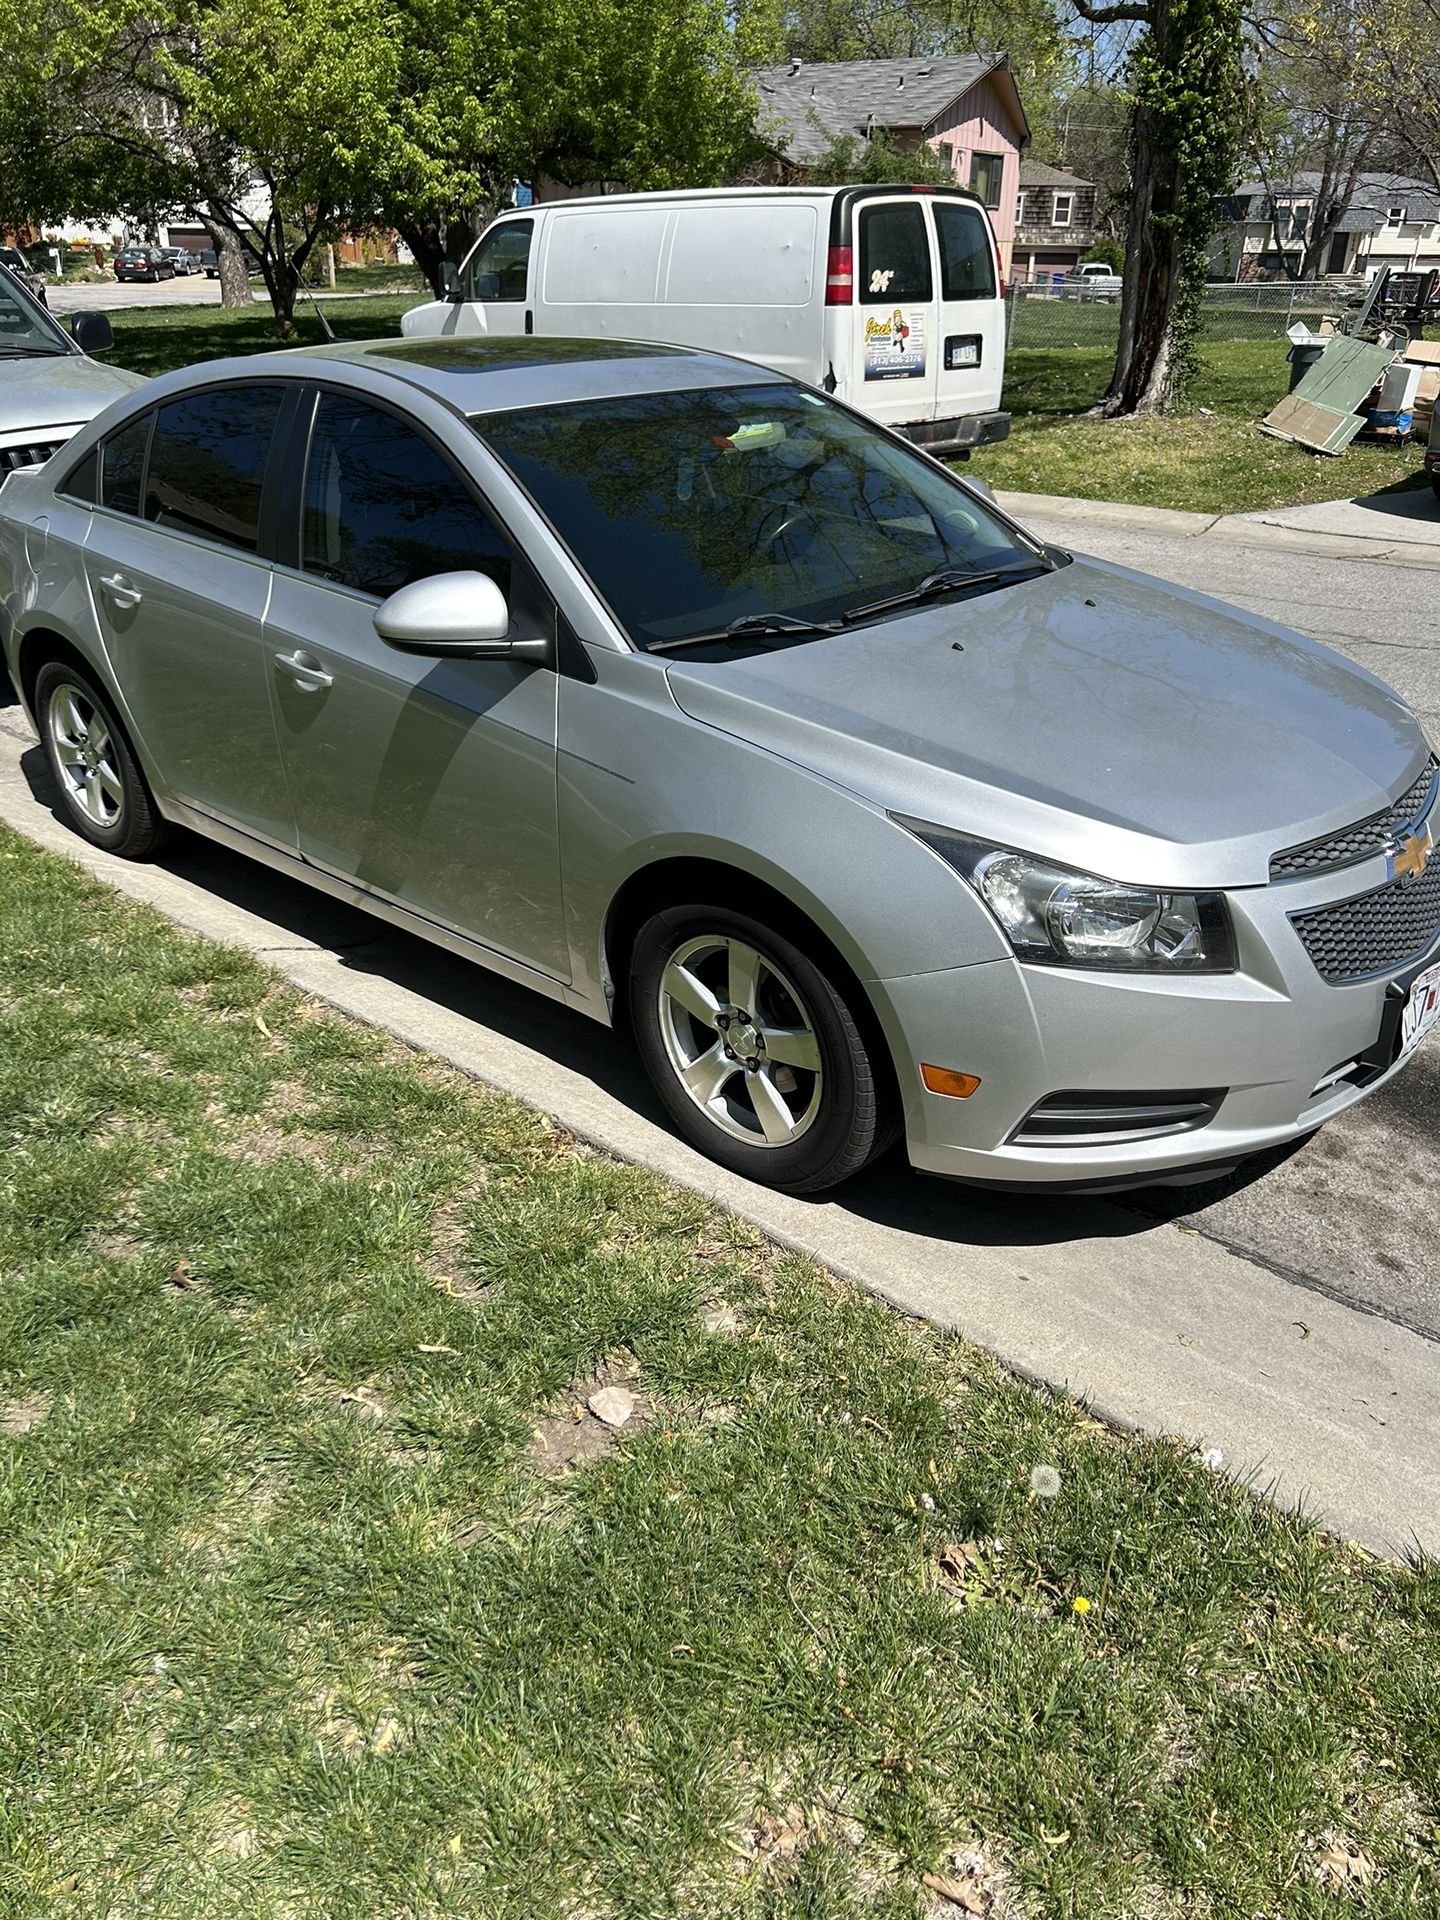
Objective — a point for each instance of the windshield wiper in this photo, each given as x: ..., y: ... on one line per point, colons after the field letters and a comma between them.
x: 747, y: 626
x: 12, y: 350
x: 946, y: 580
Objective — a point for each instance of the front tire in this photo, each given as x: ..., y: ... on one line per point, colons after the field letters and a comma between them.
x: 103, y: 794
x: 754, y: 1051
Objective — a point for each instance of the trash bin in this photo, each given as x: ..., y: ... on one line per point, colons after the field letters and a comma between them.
x: 1302, y: 356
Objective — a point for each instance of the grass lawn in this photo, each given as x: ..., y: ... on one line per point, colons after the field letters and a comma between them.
x: 322, y: 1593
x: 153, y: 340
x: 1214, y: 461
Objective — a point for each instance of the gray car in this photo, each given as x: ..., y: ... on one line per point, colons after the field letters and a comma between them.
x: 700, y: 703
x: 49, y: 385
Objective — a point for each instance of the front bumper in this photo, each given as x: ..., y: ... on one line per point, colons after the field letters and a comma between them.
x: 1270, y: 1035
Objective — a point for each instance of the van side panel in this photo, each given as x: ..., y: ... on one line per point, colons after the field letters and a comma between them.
x: 609, y: 259
x: 744, y: 277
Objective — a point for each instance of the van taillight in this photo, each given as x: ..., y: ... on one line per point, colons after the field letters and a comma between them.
x: 840, y: 277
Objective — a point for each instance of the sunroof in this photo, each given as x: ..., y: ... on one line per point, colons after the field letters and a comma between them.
x: 471, y: 355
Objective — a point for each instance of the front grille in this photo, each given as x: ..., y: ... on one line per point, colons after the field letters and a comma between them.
x: 1359, y: 842
x: 35, y: 455
x: 1114, y: 1119
x: 1378, y: 933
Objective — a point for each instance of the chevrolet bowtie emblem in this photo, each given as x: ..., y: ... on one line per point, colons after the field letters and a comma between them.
x: 1410, y: 857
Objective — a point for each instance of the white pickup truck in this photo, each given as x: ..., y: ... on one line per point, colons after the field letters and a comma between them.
x: 1093, y: 280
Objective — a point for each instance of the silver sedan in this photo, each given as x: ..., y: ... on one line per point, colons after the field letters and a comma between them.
x: 700, y: 703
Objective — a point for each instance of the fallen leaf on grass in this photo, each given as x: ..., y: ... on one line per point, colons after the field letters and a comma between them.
x: 425, y: 1349
x: 964, y: 1894
x: 1342, y: 1864
x: 24, y: 1415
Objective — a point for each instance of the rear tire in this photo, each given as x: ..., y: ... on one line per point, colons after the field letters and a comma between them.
x: 102, y: 793
x: 754, y: 1051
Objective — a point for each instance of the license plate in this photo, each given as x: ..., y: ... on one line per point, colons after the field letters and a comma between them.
x: 962, y: 353
x: 1422, y: 1010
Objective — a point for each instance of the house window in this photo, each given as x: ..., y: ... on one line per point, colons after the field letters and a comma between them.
x: 946, y: 151
x: 1020, y: 210
x: 1395, y: 217
x: 986, y: 173
x: 1064, y: 209
x: 1296, y: 222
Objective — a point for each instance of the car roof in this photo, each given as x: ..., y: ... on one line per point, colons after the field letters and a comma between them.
x: 480, y: 375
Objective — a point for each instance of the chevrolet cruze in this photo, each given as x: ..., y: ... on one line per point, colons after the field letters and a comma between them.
x: 696, y: 701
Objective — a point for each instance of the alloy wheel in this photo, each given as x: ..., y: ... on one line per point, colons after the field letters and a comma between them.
x: 84, y: 753
x: 740, y: 1040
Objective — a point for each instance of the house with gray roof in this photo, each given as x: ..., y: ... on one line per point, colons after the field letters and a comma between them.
x: 966, y: 106
x: 1392, y: 221
x: 1054, y: 221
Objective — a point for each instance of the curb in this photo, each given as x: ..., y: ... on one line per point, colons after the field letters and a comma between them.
x: 1238, y: 529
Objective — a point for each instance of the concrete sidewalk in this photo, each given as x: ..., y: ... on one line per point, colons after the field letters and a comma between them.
x: 1402, y: 527
x: 1320, y: 1405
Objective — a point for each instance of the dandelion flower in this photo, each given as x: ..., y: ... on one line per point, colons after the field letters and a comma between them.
x: 1080, y: 1604
x: 927, y: 1503
x: 1044, y: 1482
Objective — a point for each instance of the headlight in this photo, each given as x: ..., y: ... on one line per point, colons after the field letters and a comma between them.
x: 1060, y: 918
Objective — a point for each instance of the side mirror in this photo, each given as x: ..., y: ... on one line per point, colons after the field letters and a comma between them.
x: 982, y: 487
x: 453, y: 615
x: 450, y: 280
x: 92, y: 332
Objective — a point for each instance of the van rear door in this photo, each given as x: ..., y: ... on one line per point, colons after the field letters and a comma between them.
x: 970, y: 349
x: 895, y: 353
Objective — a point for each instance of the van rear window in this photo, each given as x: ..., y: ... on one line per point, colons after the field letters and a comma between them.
x: 894, y: 253
x: 967, y: 259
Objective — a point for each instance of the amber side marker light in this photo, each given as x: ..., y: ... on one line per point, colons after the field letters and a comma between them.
x: 959, y: 1086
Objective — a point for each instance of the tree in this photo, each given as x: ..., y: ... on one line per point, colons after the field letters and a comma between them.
x: 1398, y: 82
x: 1187, y: 89
x: 849, y: 160
x: 644, y: 93
x: 1314, y: 118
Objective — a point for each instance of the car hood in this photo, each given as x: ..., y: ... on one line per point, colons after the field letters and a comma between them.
x: 1091, y: 715
x: 66, y: 391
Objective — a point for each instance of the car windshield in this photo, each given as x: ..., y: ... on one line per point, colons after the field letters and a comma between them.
x: 760, y: 506
x: 24, y: 326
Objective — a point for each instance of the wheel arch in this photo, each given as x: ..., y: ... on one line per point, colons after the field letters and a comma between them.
x: 678, y: 880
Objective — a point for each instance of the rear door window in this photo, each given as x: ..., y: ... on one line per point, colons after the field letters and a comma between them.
x: 123, y: 465
x: 206, y: 473
x: 500, y: 265
x: 894, y: 254
x: 967, y: 259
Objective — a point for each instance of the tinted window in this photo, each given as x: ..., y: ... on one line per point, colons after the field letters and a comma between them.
x: 123, y: 465
x: 967, y: 259
x: 690, y: 510
x: 894, y: 254
x: 499, y: 268
x: 207, y: 464
x: 83, y: 482
x: 382, y: 508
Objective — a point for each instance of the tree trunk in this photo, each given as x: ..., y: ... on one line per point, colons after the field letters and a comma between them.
x: 230, y: 258
x: 434, y: 242
x: 1141, y: 382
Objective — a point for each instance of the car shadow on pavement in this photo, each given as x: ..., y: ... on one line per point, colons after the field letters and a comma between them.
x: 888, y: 1194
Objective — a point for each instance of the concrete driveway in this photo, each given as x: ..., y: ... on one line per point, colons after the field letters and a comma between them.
x: 1289, y: 1316
x: 109, y: 296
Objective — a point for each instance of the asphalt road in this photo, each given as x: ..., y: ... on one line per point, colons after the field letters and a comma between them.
x: 108, y: 296
x: 1355, y: 1212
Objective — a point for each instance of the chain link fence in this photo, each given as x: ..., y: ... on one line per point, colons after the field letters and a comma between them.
x: 1041, y: 315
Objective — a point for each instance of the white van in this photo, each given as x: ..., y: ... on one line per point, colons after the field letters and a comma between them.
x: 889, y: 297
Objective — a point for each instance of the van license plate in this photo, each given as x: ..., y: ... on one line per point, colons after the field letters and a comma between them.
x: 1422, y: 1011
x: 964, y: 352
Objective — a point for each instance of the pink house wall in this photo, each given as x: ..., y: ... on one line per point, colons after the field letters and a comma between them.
x: 983, y: 121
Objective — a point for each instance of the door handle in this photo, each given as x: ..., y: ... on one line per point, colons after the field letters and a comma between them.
x: 118, y: 589
x: 307, y: 673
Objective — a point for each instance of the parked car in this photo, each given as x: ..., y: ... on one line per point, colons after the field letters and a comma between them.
x: 889, y: 297
x: 1093, y: 280
x: 143, y: 263
x: 29, y: 277
x: 181, y: 259
x: 699, y: 703
x: 49, y: 385
x: 210, y: 263
x: 1432, y: 452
